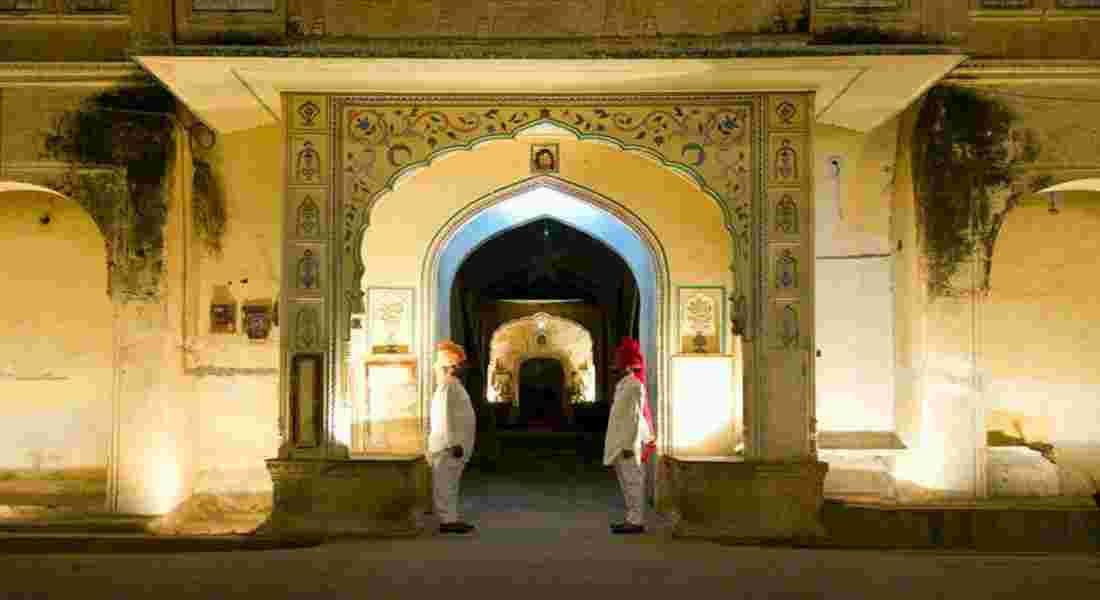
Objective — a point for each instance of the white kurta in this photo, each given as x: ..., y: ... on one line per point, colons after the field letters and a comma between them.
x: 452, y: 421
x: 452, y: 424
x: 627, y: 428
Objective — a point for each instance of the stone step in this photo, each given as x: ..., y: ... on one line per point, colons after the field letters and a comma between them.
x: 971, y: 528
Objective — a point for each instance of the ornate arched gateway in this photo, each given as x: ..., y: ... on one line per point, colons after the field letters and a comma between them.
x: 747, y: 152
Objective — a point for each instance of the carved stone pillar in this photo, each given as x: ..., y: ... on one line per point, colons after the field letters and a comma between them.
x: 312, y: 352
x: 776, y: 491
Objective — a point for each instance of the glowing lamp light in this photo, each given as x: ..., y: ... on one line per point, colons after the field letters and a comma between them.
x: 167, y: 482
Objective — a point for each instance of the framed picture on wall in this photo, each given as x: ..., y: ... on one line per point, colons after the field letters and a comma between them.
x: 390, y: 314
x: 700, y: 314
x: 544, y: 158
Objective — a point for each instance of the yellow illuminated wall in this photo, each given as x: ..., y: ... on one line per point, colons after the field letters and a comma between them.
x: 56, y: 347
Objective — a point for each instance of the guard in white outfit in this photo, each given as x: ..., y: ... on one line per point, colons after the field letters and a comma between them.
x: 453, y: 426
x: 630, y: 437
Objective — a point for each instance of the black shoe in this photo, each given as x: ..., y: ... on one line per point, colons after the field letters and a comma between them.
x: 628, y: 528
x: 456, y: 527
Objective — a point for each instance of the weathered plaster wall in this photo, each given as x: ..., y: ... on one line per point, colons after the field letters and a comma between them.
x: 1039, y: 344
x: 1016, y: 362
x: 237, y: 378
x: 854, y: 315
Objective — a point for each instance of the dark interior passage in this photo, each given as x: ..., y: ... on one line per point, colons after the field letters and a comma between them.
x: 544, y: 266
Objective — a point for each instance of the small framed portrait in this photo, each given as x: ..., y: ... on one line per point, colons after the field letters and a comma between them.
x: 544, y: 158
x: 223, y: 318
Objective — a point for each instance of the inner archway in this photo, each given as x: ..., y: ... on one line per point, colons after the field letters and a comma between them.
x: 592, y: 227
x: 541, y: 293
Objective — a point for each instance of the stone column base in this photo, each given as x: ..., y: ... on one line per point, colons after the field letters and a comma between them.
x: 728, y: 498
x: 377, y: 496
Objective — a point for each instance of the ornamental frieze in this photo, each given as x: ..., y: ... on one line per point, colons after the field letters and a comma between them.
x: 711, y: 141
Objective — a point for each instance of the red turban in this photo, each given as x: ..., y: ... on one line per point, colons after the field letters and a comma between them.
x: 629, y: 355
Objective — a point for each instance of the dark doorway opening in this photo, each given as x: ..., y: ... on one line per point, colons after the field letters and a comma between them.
x: 541, y: 394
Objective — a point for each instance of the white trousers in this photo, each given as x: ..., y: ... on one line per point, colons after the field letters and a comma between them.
x: 632, y: 481
x: 446, y: 473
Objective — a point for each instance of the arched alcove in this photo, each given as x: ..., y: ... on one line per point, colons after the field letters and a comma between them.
x: 56, y: 354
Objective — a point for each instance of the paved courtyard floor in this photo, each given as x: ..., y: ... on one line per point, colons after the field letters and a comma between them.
x: 543, y: 530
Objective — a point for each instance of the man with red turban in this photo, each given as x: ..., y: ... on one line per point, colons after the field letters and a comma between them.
x: 630, y: 436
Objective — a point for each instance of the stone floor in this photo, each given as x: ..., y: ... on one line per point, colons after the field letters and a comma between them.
x: 543, y: 530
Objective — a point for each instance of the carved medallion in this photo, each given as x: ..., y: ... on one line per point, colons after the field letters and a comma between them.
x: 786, y: 112
x: 309, y: 111
x: 309, y: 272
x: 307, y: 165
x: 786, y: 270
x: 785, y: 169
x: 309, y: 218
x: 308, y: 328
x: 786, y: 216
x: 788, y: 327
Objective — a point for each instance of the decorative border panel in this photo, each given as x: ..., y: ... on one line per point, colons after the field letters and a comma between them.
x: 307, y: 281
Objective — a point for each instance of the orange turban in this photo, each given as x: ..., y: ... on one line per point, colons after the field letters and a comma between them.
x: 453, y: 350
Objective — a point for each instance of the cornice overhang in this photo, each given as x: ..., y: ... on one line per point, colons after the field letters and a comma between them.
x: 857, y: 92
x: 999, y: 72
x: 58, y: 74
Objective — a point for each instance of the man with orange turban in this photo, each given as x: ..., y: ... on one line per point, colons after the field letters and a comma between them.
x: 630, y: 437
x: 452, y: 427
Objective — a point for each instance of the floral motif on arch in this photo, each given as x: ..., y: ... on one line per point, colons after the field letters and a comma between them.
x: 712, y: 140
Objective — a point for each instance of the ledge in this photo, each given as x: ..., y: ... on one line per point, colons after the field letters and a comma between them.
x: 71, y: 74
x: 859, y: 440
x: 39, y: 20
x: 1025, y: 71
x: 557, y: 48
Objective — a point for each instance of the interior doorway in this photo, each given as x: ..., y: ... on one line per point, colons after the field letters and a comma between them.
x: 542, y: 395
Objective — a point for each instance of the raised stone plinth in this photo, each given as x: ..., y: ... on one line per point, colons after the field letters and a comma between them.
x: 729, y: 498
x: 377, y: 496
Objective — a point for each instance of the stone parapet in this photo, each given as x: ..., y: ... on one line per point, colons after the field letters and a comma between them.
x: 378, y: 496
x: 728, y: 498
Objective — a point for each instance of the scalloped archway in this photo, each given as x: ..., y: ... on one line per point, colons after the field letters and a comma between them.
x: 747, y: 153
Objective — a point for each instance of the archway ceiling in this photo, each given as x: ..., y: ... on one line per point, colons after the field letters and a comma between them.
x: 523, y: 264
x: 856, y: 92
